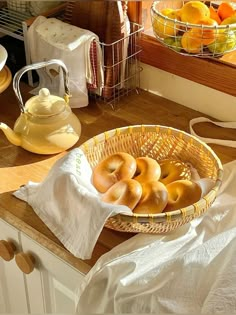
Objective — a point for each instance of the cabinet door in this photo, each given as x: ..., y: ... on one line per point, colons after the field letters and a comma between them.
x: 52, y: 284
x: 13, y: 296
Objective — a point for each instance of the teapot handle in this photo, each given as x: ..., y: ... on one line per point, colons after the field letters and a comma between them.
x: 35, y: 66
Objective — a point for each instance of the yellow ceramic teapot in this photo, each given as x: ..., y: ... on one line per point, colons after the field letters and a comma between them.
x: 46, y: 124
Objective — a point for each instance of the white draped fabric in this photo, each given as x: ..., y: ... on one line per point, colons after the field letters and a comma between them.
x: 190, y: 270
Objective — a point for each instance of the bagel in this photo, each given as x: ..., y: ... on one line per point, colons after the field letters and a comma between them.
x: 154, y: 198
x: 147, y: 170
x: 125, y: 192
x: 172, y: 170
x: 112, y: 169
x: 182, y: 193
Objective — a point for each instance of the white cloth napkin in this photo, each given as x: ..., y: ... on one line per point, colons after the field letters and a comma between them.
x: 62, y: 35
x: 53, y: 39
x: 69, y: 205
x: 191, y: 270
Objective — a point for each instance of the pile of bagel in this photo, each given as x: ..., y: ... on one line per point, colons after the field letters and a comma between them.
x: 145, y: 185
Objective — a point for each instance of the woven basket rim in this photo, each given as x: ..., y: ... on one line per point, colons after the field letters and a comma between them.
x: 190, y: 25
x: 159, y: 217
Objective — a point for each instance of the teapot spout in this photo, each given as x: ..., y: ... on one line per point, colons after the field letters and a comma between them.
x: 13, y: 137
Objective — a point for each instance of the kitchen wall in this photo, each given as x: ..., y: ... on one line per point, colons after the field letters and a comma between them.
x: 196, y: 96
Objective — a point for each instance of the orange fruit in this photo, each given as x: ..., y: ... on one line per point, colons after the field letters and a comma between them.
x: 194, y: 11
x: 164, y: 27
x: 191, y: 43
x: 214, y: 15
x: 229, y: 20
x: 206, y: 35
x: 225, y: 10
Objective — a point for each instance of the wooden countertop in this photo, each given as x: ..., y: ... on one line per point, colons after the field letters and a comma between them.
x: 18, y: 166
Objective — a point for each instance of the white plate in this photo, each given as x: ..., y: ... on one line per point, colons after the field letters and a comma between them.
x: 3, y: 57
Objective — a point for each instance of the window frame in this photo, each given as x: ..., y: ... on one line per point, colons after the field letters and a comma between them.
x: 209, y: 72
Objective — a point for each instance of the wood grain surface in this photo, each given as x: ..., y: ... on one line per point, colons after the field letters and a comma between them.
x: 18, y: 166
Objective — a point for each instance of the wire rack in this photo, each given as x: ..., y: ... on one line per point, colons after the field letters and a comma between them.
x: 122, y: 68
x: 199, y: 40
x: 14, y: 19
x: 11, y: 22
x: 121, y: 63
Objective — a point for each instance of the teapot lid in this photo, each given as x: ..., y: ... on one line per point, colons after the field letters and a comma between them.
x: 45, y: 104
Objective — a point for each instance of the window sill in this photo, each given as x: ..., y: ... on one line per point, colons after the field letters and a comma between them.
x: 212, y: 73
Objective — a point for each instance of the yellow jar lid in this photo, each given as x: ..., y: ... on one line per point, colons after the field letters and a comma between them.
x: 5, y: 78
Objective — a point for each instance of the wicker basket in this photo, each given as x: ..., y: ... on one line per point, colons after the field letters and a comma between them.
x: 157, y: 142
x: 199, y: 40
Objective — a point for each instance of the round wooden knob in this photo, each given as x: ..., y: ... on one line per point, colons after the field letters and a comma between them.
x: 7, y: 250
x: 25, y: 262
